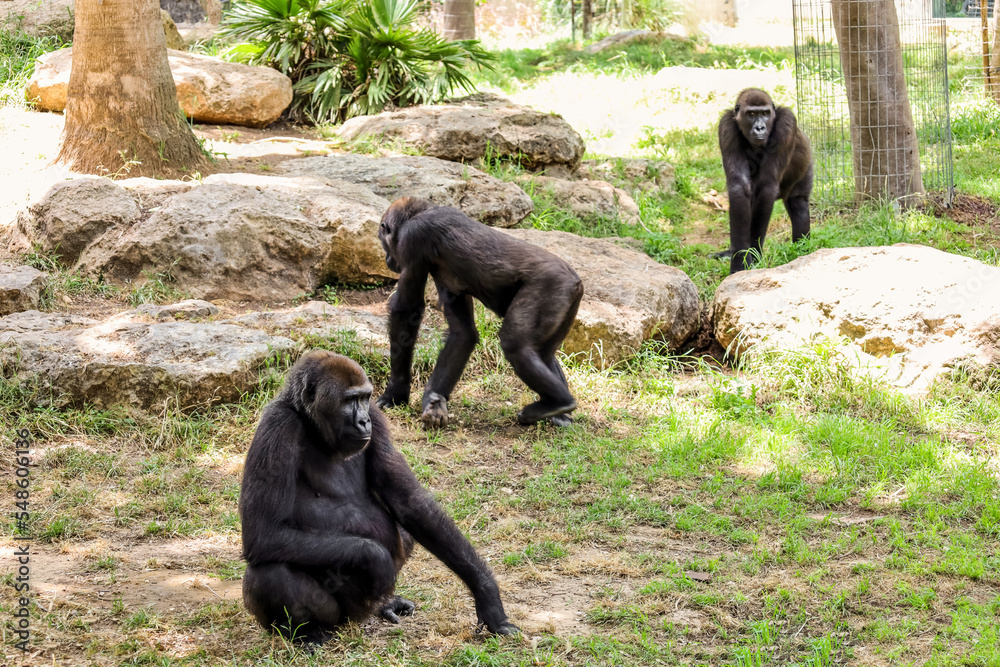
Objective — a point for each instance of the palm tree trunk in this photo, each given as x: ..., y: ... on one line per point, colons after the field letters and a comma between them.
x: 122, y: 115
x: 883, y: 136
x: 459, y: 19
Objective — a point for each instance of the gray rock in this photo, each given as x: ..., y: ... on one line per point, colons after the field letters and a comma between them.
x: 38, y: 18
x: 627, y: 37
x: 324, y: 319
x: 483, y: 197
x: 21, y: 288
x: 905, y: 313
x: 181, y: 310
x: 647, y: 175
x: 209, y: 90
x: 252, y: 238
x: 474, y: 127
x: 151, y: 193
x: 628, y: 298
x: 587, y: 200
x: 33, y: 320
x: 71, y: 216
x: 141, y: 365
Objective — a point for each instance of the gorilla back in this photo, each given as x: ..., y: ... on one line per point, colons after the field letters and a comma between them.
x: 537, y: 294
x: 328, y: 508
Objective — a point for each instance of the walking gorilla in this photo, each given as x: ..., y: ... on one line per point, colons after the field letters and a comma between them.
x: 765, y: 156
x: 328, y: 508
x: 535, y: 292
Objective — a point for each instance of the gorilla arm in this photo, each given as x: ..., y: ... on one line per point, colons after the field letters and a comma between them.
x: 416, y: 511
x: 268, y: 497
x: 406, y: 310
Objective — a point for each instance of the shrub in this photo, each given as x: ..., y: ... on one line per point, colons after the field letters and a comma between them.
x: 351, y: 58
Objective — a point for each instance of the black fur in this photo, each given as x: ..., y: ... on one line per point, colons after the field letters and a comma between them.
x: 535, y: 292
x: 328, y: 508
x: 766, y: 157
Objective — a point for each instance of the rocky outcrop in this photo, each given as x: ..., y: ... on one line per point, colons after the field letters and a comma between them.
x: 209, y: 90
x: 475, y: 127
x: 647, y: 175
x: 587, y: 200
x: 907, y: 312
x: 182, y: 310
x: 251, y: 238
x: 38, y: 18
x: 479, y: 195
x: 320, y: 318
x: 71, y: 216
x: 69, y: 360
x: 21, y: 288
x: 627, y: 297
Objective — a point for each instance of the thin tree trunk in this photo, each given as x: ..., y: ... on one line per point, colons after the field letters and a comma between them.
x: 122, y: 115
x: 459, y: 19
x: 883, y: 137
x: 586, y: 10
x: 995, y: 57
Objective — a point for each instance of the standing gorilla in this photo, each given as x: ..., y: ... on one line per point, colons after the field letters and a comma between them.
x: 765, y: 157
x: 535, y: 292
x: 328, y: 508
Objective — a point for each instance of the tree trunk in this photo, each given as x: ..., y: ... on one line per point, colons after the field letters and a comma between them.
x: 459, y: 19
x: 122, y: 115
x: 995, y: 57
x: 586, y: 11
x: 883, y: 137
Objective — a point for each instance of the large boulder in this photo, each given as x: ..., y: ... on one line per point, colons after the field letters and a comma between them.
x: 209, y: 90
x: 38, y: 18
x: 628, y: 298
x: 71, y: 215
x: 174, y: 39
x: 319, y: 318
x: 21, y: 288
x: 479, y: 195
x: 475, y: 127
x: 129, y: 361
x: 587, y: 200
x: 251, y: 238
x: 908, y: 312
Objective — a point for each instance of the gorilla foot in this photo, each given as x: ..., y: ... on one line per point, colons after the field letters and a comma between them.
x: 540, y: 410
x: 396, y: 607
x: 435, y: 414
x: 723, y: 254
x: 562, y: 420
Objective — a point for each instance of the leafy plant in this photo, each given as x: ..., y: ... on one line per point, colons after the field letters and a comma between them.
x: 351, y: 58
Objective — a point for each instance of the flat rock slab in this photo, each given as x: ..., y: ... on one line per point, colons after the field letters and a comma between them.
x: 479, y: 195
x: 628, y: 298
x: 909, y: 312
x: 209, y: 90
x: 475, y: 127
x: 129, y: 362
x: 21, y: 288
x: 324, y: 319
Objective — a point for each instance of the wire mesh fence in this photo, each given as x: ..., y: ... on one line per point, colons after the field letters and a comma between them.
x: 866, y: 73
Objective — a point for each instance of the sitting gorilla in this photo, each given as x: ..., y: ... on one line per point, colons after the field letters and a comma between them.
x: 328, y: 508
x: 536, y: 293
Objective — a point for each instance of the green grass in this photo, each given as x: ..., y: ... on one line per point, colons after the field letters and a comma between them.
x: 17, y: 62
x: 515, y: 67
